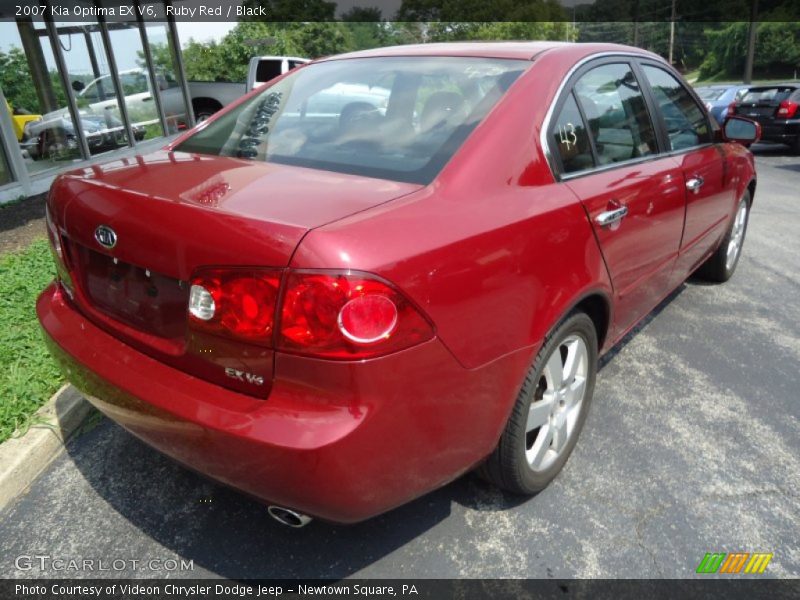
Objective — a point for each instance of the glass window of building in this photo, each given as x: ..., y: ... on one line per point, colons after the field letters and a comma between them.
x: 162, y: 50
x: 37, y: 100
x: 5, y: 172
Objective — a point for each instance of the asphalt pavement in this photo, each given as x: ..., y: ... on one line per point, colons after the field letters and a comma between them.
x: 692, y: 445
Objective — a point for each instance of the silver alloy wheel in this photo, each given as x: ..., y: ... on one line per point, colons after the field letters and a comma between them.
x: 737, y: 236
x: 557, y: 403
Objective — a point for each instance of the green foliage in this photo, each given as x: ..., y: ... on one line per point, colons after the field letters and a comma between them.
x: 17, y: 84
x: 777, y: 52
x: 511, y: 30
x: 228, y: 60
x: 29, y: 375
x: 484, y: 11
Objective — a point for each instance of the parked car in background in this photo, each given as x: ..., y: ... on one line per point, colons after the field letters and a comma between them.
x: 20, y: 118
x: 265, y: 68
x: 337, y: 319
x: 718, y: 98
x: 55, y: 137
x: 207, y: 97
x: 777, y: 108
x: 99, y: 98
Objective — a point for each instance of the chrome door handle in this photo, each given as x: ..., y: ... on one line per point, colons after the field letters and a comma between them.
x: 695, y: 183
x: 611, y: 216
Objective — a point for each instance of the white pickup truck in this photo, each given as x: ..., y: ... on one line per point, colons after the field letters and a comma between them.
x: 97, y: 100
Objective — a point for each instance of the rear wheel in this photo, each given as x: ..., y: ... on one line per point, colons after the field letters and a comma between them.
x: 721, y: 265
x: 549, y: 412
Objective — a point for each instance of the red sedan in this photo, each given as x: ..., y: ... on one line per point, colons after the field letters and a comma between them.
x: 392, y: 267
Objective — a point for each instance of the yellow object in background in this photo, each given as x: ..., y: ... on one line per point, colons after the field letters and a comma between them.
x: 19, y: 121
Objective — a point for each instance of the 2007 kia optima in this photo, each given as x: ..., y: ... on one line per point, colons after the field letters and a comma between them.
x: 388, y: 268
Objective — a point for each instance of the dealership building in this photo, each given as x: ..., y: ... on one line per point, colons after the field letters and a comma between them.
x: 86, y: 87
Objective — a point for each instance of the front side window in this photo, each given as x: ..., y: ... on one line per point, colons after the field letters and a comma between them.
x: 686, y: 123
x: 616, y: 113
x: 97, y: 91
x: 133, y: 83
x: 398, y: 118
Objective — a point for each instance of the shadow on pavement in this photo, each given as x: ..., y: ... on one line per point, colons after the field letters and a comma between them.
x: 611, y: 354
x: 18, y: 214
x: 230, y: 535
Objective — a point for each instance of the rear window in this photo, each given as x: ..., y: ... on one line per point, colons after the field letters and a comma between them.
x: 398, y: 118
x: 268, y: 69
x: 771, y: 95
x: 710, y: 94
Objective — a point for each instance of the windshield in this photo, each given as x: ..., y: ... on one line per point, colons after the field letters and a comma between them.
x: 398, y: 118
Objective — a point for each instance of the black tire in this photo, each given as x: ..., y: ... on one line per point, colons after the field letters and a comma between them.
x: 717, y: 268
x: 508, y: 466
x: 203, y: 109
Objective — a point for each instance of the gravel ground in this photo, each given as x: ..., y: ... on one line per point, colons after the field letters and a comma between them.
x: 691, y: 446
x: 21, y: 223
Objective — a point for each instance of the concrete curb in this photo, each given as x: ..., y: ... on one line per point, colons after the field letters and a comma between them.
x: 22, y: 459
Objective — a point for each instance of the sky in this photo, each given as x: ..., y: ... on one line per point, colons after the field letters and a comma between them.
x: 126, y: 43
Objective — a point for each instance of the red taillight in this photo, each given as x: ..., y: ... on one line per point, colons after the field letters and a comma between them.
x: 731, y: 109
x: 368, y: 319
x: 237, y: 303
x: 55, y: 238
x: 787, y: 109
x: 58, y: 251
x: 346, y: 315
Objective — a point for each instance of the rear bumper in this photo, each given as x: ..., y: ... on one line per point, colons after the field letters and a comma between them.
x: 781, y: 131
x: 342, y: 441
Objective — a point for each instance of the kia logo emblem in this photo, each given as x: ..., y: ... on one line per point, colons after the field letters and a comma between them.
x: 105, y: 236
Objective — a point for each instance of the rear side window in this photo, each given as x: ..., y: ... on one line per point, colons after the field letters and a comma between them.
x: 268, y: 69
x: 616, y: 113
x: 686, y: 123
x: 571, y: 138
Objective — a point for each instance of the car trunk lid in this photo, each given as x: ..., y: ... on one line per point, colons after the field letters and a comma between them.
x: 170, y: 213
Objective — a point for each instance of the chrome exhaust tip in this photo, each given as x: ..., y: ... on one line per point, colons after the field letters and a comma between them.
x: 287, y: 516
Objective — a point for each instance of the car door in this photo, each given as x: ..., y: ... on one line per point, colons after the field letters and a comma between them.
x: 609, y: 156
x: 102, y: 101
x: 138, y: 97
x: 690, y: 138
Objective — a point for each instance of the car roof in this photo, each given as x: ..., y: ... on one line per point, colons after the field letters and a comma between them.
x: 519, y: 50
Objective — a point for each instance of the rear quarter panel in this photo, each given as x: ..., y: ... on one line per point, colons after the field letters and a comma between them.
x: 741, y: 169
x: 493, y: 251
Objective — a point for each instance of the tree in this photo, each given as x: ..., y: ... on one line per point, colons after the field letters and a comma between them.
x: 367, y: 29
x: 484, y: 11
x: 17, y: 82
x: 777, y: 52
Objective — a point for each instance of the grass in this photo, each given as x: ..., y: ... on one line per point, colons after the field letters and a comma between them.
x: 29, y: 376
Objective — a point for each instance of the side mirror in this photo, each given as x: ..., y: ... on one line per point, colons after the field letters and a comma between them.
x: 739, y: 129
x: 78, y: 85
